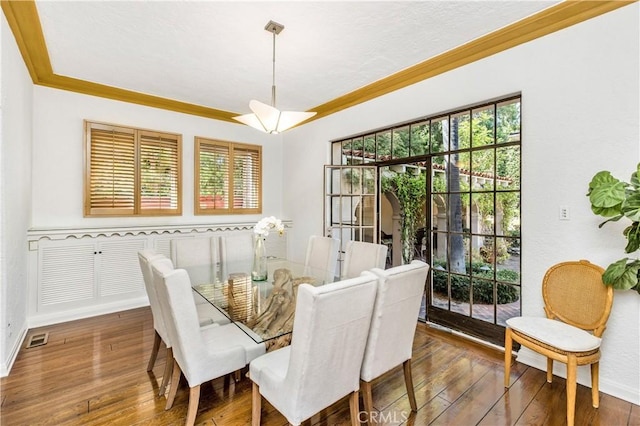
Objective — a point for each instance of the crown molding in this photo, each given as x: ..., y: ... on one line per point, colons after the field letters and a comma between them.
x: 24, y: 22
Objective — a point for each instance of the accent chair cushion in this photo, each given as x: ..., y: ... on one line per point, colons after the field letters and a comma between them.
x: 555, y: 333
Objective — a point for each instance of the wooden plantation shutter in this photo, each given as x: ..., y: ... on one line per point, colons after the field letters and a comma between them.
x: 131, y: 171
x: 159, y: 172
x: 212, y: 172
x: 111, y: 173
x: 228, y: 177
x: 246, y: 178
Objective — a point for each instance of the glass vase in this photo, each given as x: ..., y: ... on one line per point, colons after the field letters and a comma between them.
x: 259, y: 270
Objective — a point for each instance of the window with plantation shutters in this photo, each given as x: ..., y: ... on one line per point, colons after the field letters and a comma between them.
x: 131, y: 171
x: 228, y: 178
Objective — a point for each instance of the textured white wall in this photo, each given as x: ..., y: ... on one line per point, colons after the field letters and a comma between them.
x: 58, y: 157
x: 15, y: 192
x: 580, y: 96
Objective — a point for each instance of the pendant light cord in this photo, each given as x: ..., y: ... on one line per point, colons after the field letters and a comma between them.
x: 273, y: 80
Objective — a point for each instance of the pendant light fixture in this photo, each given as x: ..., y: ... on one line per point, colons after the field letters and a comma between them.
x: 268, y: 118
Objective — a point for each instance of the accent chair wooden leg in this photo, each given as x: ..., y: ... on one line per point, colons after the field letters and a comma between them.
x: 173, y: 388
x: 154, y: 352
x: 408, y: 380
x: 256, y: 405
x: 168, y: 369
x: 508, y: 345
x: 595, y: 381
x: 354, y: 408
x: 367, y: 398
x: 194, y: 400
x: 237, y: 375
x: 549, y: 370
x: 572, y: 367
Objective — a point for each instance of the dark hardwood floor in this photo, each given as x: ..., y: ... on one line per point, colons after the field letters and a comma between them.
x: 93, y: 372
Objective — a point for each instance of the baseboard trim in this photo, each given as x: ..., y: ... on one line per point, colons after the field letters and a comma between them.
x: 5, y: 367
x: 42, y: 320
x: 532, y: 359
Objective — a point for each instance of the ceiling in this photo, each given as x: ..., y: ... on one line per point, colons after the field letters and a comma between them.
x: 215, y: 56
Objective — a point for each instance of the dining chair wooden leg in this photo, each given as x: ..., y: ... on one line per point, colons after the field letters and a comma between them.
x: 168, y: 369
x: 595, y: 381
x: 508, y: 344
x: 572, y: 366
x: 173, y: 388
x: 194, y: 400
x: 408, y: 380
x: 154, y: 352
x: 549, y: 370
x: 354, y: 408
x: 367, y: 398
x: 256, y: 405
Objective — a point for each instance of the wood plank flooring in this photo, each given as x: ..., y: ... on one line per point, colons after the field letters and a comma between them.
x: 93, y: 372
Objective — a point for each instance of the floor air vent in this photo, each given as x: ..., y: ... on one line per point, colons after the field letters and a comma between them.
x: 37, y: 340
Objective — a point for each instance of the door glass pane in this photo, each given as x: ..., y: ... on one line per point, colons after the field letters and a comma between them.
x: 440, y: 134
x: 460, y: 131
x: 439, y: 174
x: 383, y: 143
x: 357, y: 150
x: 508, y: 167
x: 458, y: 169
x: 508, y: 214
x: 369, y: 147
x: 460, y: 296
x: 508, y: 121
x: 401, y: 142
x: 482, y: 170
x: 482, y: 127
x: 419, y: 139
x: 508, y: 305
x: 347, y: 152
x: 483, y: 299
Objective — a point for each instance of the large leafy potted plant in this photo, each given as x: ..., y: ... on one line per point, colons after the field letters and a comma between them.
x: 615, y: 199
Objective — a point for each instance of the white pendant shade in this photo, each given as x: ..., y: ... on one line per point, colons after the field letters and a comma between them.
x: 270, y: 119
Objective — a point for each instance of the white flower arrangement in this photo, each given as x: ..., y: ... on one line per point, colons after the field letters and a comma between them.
x: 267, y: 223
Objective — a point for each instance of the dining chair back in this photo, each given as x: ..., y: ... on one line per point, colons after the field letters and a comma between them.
x: 200, y: 252
x: 322, y: 364
x: 236, y: 247
x: 577, y: 305
x: 362, y: 256
x: 393, y: 325
x: 322, y: 254
x: 200, y: 353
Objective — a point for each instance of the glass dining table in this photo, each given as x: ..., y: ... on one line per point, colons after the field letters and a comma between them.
x: 264, y: 310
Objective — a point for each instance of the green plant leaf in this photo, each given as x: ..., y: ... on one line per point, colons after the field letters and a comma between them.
x: 622, y: 275
x: 607, y: 192
x: 631, y: 206
x: 633, y: 237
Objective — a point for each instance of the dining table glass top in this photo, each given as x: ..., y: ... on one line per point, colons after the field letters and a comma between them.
x: 262, y: 309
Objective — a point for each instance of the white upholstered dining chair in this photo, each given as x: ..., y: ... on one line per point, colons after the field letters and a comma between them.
x: 362, y: 256
x: 207, y: 314
x: 393, y: 325
x: 322, y: 254
x: 200, y: 353
x: 322, y: 364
